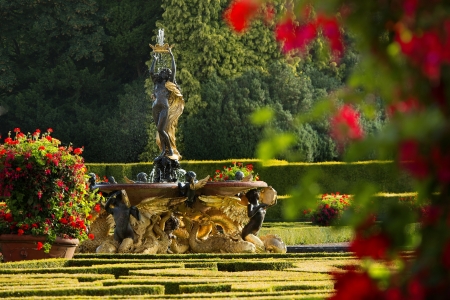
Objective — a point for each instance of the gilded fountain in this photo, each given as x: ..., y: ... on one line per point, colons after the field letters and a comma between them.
x: 170, y: 210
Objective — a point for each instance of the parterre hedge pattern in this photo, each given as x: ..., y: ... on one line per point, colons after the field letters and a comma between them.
x: 188, y: 276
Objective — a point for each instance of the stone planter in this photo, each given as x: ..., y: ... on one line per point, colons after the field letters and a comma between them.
x: 24, y: 247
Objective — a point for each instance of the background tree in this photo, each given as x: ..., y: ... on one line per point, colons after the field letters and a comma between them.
x: 64, y: 65
x: 220, y: 72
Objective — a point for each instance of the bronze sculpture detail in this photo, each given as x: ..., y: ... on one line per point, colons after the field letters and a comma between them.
x: 121, y: 213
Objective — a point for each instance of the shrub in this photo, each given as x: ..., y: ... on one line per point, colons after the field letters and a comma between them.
x: 229, y: 173
x: 329, y: 209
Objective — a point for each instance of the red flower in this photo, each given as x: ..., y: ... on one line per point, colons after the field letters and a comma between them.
x: 345, y: 125
x: 8, y: 217
x: 412, y: 160
x: 355, y: 285
x: 294, y: 36
x: 97, y: 207
x: 410, y: 7
x: 425, y: 50
x: 16, y: 129
x: 91, y: 236
x: 374, y: 246
x: 240, y: 12
x: 78, y: 151
x: 409, y: 105
x: 63, y: 221
x: 20, y: 232
x: 330, y: 29
x: 49, y: 130
x: 39, y: 245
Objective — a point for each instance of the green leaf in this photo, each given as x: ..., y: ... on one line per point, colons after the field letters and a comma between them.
x: 262, y: 116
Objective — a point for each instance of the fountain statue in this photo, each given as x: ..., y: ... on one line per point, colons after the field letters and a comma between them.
x: 170, y: 210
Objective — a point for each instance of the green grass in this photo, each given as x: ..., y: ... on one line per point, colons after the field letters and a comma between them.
x: 304, y: 233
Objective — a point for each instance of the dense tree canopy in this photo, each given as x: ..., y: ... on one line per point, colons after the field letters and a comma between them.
x: 64, y: 65
x: 79, y: 67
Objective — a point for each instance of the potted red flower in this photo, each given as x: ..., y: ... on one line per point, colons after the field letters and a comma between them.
x: 44, y: 196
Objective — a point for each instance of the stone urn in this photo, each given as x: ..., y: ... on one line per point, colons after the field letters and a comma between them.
x: 24, y: 247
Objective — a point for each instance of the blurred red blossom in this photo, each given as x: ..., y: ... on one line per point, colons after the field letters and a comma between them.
x: 425, y: 49
x: 240, y: 13
x: 409, y: 105
x: 354, y: 285
x: 295, y: 36
x: 410, y: 7
x: 330, y: 30
x: 374, y: 246
x: 412, y: 160
x: 345, y: 125
x: 441, y: 162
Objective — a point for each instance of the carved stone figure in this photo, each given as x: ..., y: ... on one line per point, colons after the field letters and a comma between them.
x: 121, y: 213
x: 190, y: 187
x: 92, y: 179
x: 165, y: 169
x: 256, y: 212
x: 142, y: 177
x: 217, y: 243
x: 273, y: 243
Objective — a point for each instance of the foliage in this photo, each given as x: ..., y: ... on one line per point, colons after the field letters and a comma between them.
x: 404, y: 61
x: 229, y: 173
x: 66, y: 63
x: 230, y: 101
x: 329, y: 209
x: 44, y: 188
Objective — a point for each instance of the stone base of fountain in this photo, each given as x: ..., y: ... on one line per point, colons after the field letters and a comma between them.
x: 213, y: 223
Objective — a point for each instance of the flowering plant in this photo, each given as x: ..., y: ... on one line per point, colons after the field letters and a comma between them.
x: 44, y: 188
x: 229, y: 173
x: 329, y: 209
x: 404, y: 59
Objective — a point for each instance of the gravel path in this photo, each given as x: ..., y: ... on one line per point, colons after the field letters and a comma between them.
x: 331, y: 247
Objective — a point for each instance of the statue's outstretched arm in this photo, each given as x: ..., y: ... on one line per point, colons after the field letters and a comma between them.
x: 253, y: 209
x: 174, y: 67
x: 107, y: 205
x: 152, y: 67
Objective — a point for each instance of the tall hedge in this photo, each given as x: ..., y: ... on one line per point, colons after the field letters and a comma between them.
x: 283, y: 176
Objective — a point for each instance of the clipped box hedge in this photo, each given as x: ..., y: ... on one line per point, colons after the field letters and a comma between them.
x: 283, y: 176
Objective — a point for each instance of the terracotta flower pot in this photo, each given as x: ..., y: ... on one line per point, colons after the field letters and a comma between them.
x: 24, y: 247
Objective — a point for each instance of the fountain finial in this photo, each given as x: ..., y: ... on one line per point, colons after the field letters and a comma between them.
x: 160, y: 46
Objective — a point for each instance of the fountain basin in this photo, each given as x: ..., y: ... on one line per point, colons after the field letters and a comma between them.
x: 137, y: 192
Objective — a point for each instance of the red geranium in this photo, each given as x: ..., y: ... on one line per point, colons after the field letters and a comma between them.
x: 43, y: 186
